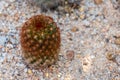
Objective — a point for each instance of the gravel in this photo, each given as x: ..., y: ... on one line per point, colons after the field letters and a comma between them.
x: 87, y: 35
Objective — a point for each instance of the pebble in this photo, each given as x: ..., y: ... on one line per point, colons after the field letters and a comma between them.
x: 29, y: 71
x: 118, y: 60
x: 2, y: 57
x: 78, y: 56
x: 98, y: 1
x: 74, y: 29
x: 59, y: 75
x: 73, y: 17
x: 47, y: 74
x: 10, y: 46
x: 2, y: 40
x: 25, y: 70
x: 70, y: 54
x: 117, y: 41
x: 20, y: 64
x: 5, y: 29
x: 1, y: 14
x: 67, y: 64
x: 67, y: 77
x: 110, y: 56
x: 81, y: 9
x: 86, y: 22
x: 114, y: 57
x: 16, y: 16
x: 86, y: 63
x: 82, y: 16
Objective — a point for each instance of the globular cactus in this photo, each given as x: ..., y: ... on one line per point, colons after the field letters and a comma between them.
x: 40, y: 41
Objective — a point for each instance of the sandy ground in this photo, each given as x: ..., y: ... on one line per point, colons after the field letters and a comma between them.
x: 88, y: 47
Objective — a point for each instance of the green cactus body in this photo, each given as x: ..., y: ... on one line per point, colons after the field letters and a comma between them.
x: 40, y: 41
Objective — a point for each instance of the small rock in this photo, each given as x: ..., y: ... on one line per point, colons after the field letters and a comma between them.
x: 68, y: 77
x: 86, y: 22
x: 59, y: 75
x: 67, y: 64
x: 110, y: 56
x: 48, y: 4
x: 117, y: 41
x: 69, y: 36
x: 114, y: 57
x: 74, y: 3
x: 74, y: 29
x: 81, y: 9
x: 10, y: 46
x: 1, y: 14
x: 5, y: 30
x: 2, y: 40
x: 74, y: 17
x: 98, y: 1
x: 82, y: 16
x: 29, y: 71
x: 70, y: 54
x: 47, y: 74
x: 118, y: 60
x: 87, y: 63
x: 78, y: 56
x: 25, y: 70
x: 16, y: 17
x: 67, y: 9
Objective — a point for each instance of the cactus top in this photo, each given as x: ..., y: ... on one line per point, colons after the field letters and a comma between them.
x: 40, y: 22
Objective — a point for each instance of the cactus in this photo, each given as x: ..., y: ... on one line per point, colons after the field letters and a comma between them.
x: 40, y: 41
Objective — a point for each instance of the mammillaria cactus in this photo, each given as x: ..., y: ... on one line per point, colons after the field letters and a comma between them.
x: 40, y: 41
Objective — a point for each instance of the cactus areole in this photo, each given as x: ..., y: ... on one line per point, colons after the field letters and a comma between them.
x: 40, y: 41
